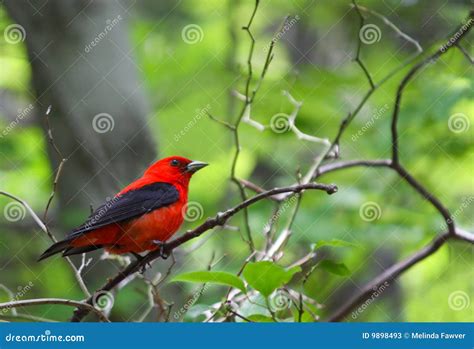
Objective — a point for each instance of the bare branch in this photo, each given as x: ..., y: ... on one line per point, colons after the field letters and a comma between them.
x: 465, y: 53
x: 218, y: 220
x: 28, y: 317
x: 359, y: 44
x: 41, y: 301
x: 335, y: 166
x: 44, y: 228
x: 459, y: 34
x: 223, y: 123
x: 390, y: 274
x: 51, y: 141
x: 393, y: 27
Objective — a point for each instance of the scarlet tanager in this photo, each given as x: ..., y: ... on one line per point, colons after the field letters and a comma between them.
x: 139, y: 218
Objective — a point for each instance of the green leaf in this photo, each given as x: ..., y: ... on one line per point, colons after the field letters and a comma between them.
x: 267, y: 276
x: 259, y: 318
x: 334, y: 268
x: 214, y: 277
x: 306, y: 317
x: 194, y: 314
x: 333, y: 243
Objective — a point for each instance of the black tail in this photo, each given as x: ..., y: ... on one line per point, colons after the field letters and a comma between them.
x: 78, y: 250
x: 55, y: 248
x: 67, y: 250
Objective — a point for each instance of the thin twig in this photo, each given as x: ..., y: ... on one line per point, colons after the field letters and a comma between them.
x: 51, y: 141
x: 44, y: 228
x: 397, y: 30
x: 389, y: 275
x: 218, y: 220
x: 68, y: 302
x: 465, y: 53
x: 359, y: 44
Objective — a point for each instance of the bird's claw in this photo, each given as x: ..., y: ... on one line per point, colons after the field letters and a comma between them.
x: 161, y: 247
x: 140, y: 259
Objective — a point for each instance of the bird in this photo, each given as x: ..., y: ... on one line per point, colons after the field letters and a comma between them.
x: 141, y: 217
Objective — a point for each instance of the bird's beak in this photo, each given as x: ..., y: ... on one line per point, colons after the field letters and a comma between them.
x: 195, y: 166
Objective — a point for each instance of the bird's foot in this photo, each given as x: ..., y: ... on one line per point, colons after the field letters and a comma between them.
x: 140, y: 259
x: 161, y: 247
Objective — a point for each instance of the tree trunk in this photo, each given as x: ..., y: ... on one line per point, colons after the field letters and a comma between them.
x: 81, y: 66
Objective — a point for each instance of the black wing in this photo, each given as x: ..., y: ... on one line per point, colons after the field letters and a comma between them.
x: 129, y: 205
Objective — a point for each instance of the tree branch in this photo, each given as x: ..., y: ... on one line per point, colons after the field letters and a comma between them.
x: 44, y: 228
x: 454, y: 39
x: 397, y: 269
x: 390, y: 274
x: 218, y: 220
x: 41, y: 301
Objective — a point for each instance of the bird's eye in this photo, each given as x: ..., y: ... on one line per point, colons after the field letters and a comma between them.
x: 174, y: 162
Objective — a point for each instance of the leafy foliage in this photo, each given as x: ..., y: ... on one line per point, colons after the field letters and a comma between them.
x: 213, y: 277
x: 267, y: 276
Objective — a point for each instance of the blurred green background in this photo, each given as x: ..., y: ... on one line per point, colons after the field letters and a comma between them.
x: 314, y: 61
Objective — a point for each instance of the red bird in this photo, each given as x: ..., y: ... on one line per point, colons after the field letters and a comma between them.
x: 140, y: 217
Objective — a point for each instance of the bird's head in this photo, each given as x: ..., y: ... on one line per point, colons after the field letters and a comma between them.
x: 174, y: 169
